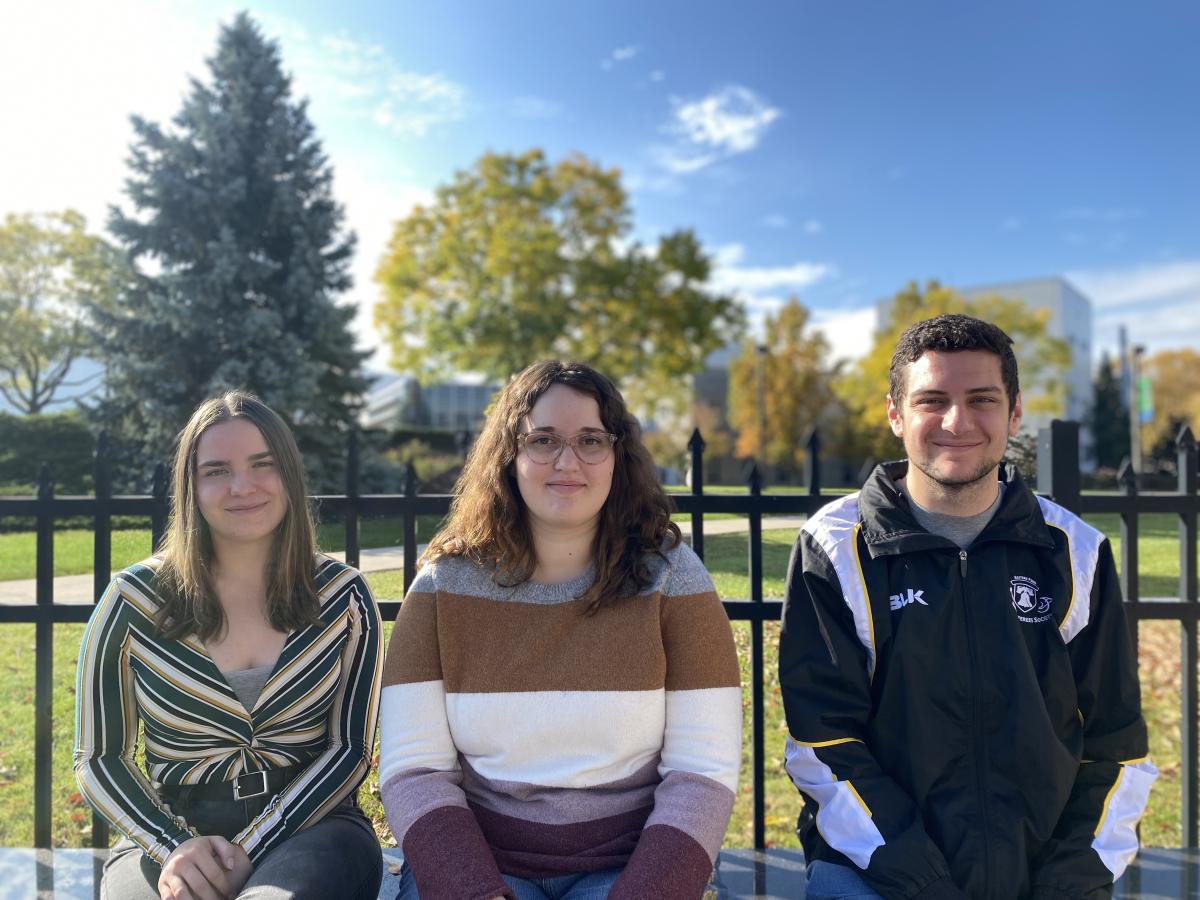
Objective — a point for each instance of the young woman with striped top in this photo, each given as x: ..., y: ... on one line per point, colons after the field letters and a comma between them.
x: 251, y: 665
x: 561, y: 715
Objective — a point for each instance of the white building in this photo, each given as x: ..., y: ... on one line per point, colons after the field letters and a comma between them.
x: 1071, y: 320
x: 458, y: 405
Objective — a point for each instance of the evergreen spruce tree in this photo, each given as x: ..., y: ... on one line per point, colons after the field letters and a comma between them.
x: 1108, y: 418
x: 241, y: 251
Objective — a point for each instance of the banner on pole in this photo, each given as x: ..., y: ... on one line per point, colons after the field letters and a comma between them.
x: 1145, y: 400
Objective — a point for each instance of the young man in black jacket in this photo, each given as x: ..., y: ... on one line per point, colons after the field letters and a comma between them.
x: 960, y: 688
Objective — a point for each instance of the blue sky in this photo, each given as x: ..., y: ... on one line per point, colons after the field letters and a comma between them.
x: 834, y: 151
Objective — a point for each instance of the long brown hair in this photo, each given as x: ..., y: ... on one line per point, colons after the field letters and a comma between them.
x: 488, y: 520
x: 185, y: 574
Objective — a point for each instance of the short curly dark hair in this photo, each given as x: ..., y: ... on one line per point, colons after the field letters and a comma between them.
x: 951, y: 333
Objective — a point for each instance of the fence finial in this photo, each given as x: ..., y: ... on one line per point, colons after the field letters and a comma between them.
x: 812, y: 462
x: 1126, y: 477
x: 411, y: 482
x: 158, y: 487
x: 45, y: 482
x: 754, y: 479
x: 696, y: 441
x: 1186, y: 440
x: 101, y: 475
x: 352, y: 462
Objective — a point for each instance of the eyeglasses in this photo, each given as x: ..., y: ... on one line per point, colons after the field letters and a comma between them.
x: 591, y: 447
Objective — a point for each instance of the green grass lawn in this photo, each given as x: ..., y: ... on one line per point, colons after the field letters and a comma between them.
x: 726, y: 558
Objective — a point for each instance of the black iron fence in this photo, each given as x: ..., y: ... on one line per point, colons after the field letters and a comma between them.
x: 1058, y: 478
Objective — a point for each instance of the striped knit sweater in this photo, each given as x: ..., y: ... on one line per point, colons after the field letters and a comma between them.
x: 318, y: 709
x: 520, y: 735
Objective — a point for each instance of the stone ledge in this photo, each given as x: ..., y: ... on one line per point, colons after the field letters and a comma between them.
x: 1158, y: 874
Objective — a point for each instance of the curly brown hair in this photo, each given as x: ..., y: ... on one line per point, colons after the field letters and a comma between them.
x: 488, y: 521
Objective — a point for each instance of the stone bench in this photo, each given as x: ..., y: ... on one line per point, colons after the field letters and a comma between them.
x: 1158, y: 874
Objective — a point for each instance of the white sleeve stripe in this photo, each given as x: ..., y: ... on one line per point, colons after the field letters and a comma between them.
x: 1116, y: 840
x: 835, y: 529
x: 842, y: 817
x: 1083, y: 550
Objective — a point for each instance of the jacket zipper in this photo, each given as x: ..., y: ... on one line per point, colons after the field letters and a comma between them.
x: 976, y: 724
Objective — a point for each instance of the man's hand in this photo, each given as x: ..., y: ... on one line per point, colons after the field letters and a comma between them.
x: 204, y: 868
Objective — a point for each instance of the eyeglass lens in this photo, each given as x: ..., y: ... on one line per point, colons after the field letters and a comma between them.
x: 544, y: 447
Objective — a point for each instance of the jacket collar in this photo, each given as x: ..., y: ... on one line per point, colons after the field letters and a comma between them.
x: 889, y: 526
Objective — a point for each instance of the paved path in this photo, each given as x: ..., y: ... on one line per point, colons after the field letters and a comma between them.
x: 77, y: 589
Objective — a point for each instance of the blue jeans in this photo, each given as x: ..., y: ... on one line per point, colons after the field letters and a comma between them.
x: 829, y: 881
x: 587, y: 886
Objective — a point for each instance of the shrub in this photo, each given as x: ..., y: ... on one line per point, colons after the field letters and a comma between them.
x: 61, y: 440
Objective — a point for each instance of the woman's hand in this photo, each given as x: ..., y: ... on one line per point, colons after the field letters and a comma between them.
x: 204, y: 868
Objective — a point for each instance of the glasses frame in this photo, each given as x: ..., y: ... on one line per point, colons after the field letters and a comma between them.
x: 565, y: 441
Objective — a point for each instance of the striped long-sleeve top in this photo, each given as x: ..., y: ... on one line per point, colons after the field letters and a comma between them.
x: 521, y: 735
x: 317, y: 710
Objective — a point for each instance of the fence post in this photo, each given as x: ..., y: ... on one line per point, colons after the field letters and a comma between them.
x: 756, y: 661
x: 1127, y: 481
x: 101, y: 567
x: 158, y: 514
x: 1187, y: 461
x: 102, y: 518
x: 696, y: 446
x: 812, y: 463
x: 1058, y: 463
x: 1190, y: 745
x: 411, y: 486
x: 43, y: 701
x: 350, y: 518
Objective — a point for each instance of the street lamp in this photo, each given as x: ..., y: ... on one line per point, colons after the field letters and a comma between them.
x: 762, y: 406
x: 1135, y: 414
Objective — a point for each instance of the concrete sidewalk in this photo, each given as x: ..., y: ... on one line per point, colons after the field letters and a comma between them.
x: 77, y: 589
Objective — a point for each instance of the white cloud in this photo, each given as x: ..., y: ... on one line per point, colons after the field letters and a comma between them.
x: 847, y: 331
x: 752, y: 281
x: 361, y: 79
x: 813, y: 226
x: 531, y: 107
x: 722, y: 124
x: 619, y: 55
x: 1159, y: 304
x: 731, y: 120
x: 73, y: 74
x: 373, y: 203
x: 764, y: 289
x: 657, y: 75
x: 679, y: 161
x: 776, y: 220
x: 1141, y: 284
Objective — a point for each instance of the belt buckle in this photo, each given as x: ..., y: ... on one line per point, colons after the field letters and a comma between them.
x: 244, y: 794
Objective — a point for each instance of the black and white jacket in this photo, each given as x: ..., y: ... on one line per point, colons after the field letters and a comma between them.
x: 962, y: 723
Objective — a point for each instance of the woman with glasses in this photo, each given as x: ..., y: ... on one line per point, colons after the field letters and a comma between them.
x: 251, y: 664
x: 561, y: 715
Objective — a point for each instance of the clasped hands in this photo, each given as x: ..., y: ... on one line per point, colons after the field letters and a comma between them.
x: 204, y: 868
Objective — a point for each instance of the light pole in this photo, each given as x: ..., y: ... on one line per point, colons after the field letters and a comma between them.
x: 762, y: 407
x: 1135, y: 414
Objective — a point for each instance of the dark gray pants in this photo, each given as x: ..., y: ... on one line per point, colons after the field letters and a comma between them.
x: 336, y: 857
